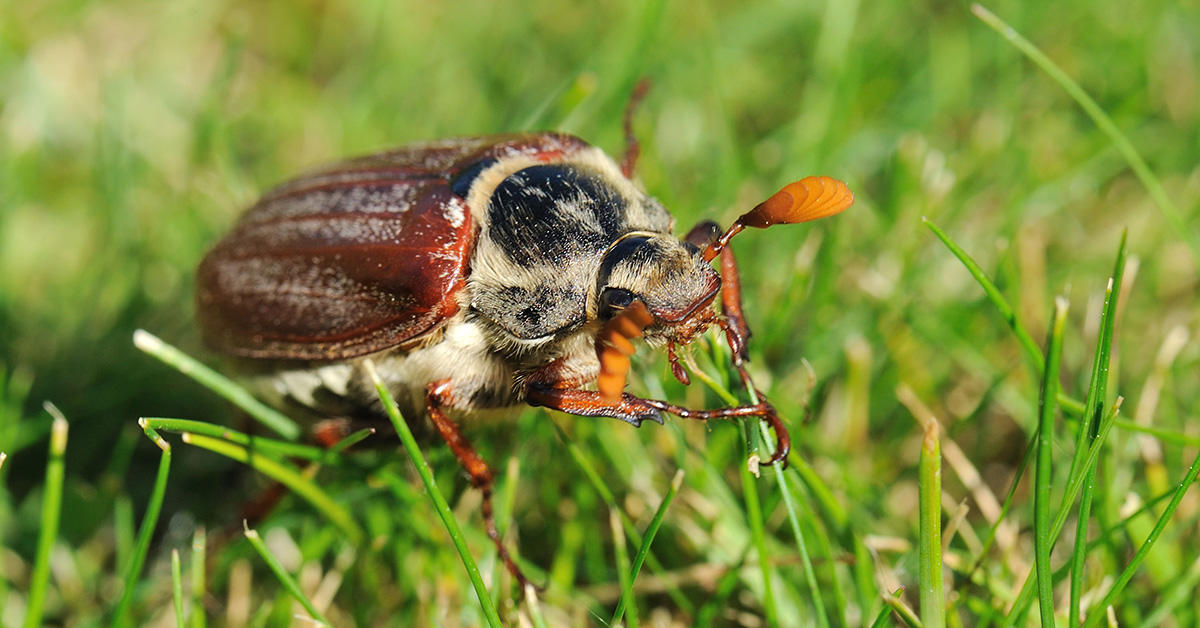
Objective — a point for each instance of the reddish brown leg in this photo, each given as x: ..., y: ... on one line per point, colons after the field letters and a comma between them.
x: 676, y: 368
x: 737, y: 332
x: 632, y: 148
x: 635, y: 409
x: 439, y: 394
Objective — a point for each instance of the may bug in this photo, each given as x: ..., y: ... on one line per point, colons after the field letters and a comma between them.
x: 479, y: 274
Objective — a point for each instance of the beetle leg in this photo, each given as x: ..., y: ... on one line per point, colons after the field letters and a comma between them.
x: 632, y: 410
x: 737, y: 332
x: 438, y: 395
x: 590, y: 403
x: 676, y: 368
x: 632, y: 148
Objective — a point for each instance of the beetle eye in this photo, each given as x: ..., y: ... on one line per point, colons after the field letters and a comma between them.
x: 613, y: 300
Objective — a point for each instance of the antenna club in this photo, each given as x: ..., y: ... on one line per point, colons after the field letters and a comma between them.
x: 808, y: 199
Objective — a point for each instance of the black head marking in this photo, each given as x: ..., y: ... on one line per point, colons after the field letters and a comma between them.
x: 555, y: 214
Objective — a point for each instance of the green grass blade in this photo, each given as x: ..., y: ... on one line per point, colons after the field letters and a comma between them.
x: 881, y: 619
x: 750, y: 497
x: 435, y: 495
x: 1006, y: 311
x: 1101, y: 119
x: 1165, y: 518
x: 146, y: 531
x: 1169, y: 436
x: 177, y: 587
x: 1089, y: 421
x: 287, y: 475
x: 627, y: 605
x: 631, y: 531
x: 270, y: 446
x: 754, y: 518
x: 199, y: 578
x: 1025, y: 597
x: 289, y: 583
x: 217, y: 383
x: 901, y: 610
x: 1043, y: 481
x: 648, y: 538
x: 1098, y: 383
x: 52, y: 491
x: 933, y: 596
x: 349, y: 441
x: 810, y: 576
x: 836, y: 518
x: 993, y: 294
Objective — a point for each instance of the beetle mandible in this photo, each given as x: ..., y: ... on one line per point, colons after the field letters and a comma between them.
x: 478, y: 274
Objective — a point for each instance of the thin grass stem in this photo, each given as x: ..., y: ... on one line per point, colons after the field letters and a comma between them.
x: 810, y: 576
x: 1026, y: 341
x: 199, y: 578
x: 289, y: 583
x: 1043, y: 480
x: 651, y: 530
x: 897, y: 605
x: 1089, y: 421
x: 435, y: 495
x: 1101, y: 119
x: 146, y: 530
x: 1025, y: 597
x: 1165, y: 518
x: 257, y: 443
x: 52, y: 490
x: 628, y: 605
x: 217, y: 383
x: 289, y: 476
x: 631, y: 531
x: 177, y: 587
x: 933, y: 596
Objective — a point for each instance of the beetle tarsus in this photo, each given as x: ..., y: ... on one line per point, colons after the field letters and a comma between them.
x: 783, y: 440
x: 676, y: 368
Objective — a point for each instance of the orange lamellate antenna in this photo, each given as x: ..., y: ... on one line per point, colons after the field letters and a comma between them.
x: 613, y: 347
x: 808, y: 199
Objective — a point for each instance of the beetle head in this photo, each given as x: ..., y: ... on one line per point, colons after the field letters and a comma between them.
x: 670, y: 277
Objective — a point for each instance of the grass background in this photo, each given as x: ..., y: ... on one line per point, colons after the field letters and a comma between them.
x: 133, y: 133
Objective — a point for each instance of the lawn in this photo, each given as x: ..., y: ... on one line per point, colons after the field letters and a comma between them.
x: 986, y: 431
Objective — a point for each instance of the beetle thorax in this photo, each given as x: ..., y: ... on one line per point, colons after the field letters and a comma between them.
x: 544, y: 228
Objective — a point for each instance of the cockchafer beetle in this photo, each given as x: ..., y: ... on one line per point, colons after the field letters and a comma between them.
x: 478, y: 274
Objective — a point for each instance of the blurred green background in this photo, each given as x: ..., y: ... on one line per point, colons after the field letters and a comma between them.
x: 132, y: 134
